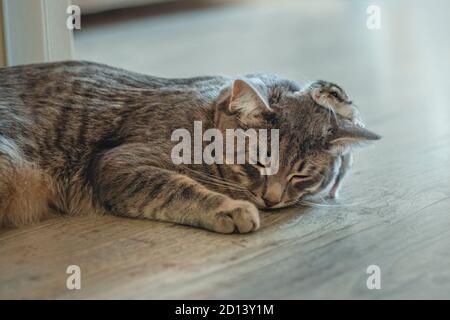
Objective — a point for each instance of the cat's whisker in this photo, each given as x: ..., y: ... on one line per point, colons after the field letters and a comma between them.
x: 217, y: 181
x: 228, y: 181
x: 315, y: 204
x: 322, y: 198
x: 212, y: 183
x: 213, y: 177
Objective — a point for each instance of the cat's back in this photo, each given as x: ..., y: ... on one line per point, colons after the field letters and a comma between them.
x: 85, y: 101
x: 67, y: 75
x: 61, y: 82
x: 35, y: 76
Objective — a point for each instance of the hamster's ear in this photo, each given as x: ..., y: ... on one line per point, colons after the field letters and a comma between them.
x: 348, y: 136
x: 248, y: 101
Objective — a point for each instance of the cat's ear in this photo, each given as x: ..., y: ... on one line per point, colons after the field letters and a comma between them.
x: 351, y: 136
x: 248, y: 101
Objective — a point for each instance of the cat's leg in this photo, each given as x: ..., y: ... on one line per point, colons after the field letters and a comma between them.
x: 129, y: 185
x: 24, y: 189
x: 346, y: 164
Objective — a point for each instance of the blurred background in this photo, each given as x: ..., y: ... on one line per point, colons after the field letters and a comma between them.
x: 302, y: 40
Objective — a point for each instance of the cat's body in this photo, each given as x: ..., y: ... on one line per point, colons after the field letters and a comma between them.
x: 79, y: 137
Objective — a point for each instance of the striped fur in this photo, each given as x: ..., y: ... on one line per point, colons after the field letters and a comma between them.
x: 82, y: 138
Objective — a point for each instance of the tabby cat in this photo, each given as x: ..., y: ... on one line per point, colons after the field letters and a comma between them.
x: 81, y: 137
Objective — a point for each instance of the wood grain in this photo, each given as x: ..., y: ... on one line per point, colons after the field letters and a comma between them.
x: 394, y: 210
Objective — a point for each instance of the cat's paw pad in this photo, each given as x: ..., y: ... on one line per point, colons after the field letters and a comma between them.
x: 237, y: 216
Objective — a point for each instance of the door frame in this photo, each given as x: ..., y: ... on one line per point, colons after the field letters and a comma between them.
x: 35, y: 31
x: 2, y: 39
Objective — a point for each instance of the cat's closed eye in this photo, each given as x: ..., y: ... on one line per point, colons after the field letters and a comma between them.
x: 335, y: 94
x: 299, y: 177
x: 303, y: 184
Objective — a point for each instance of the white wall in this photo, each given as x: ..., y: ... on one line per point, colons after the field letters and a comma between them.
x: 2, y: 42
x: 92, y: 6
x: 35, y: 31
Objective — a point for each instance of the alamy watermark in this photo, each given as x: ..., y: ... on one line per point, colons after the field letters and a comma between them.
x: 74, y: 19
x: 373, y: 21
x: 374, y: 280
x: 190, y: 150
x: 73, y: 281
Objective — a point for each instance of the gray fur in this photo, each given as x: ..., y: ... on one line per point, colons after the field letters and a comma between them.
x: 81, y: 137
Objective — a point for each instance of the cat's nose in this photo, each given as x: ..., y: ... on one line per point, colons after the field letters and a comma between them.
x: 270, y: 203
x: 273, y: 194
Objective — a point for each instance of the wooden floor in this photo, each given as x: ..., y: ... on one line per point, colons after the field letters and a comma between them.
x: 395, y: 207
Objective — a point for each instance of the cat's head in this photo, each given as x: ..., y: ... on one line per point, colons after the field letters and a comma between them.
x: 311, y: 139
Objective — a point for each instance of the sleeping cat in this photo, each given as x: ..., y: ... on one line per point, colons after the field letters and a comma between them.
x: 80, y: 137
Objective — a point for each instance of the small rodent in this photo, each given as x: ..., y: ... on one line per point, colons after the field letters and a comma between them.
x: 333, y: 97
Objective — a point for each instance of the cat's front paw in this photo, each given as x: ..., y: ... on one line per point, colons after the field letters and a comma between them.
x: 236, y: 216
